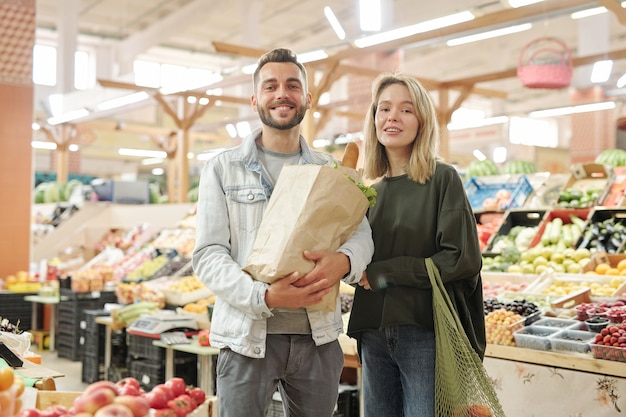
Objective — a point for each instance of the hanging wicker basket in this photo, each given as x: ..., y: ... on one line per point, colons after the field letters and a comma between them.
x: 545, y: 63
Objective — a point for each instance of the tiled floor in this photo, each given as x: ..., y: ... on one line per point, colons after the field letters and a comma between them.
x: 72, y: 381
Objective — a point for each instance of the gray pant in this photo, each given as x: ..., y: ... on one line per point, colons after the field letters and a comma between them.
x: 306, y: 375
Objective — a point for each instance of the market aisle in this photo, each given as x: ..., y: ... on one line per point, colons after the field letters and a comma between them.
x: 72, y: 370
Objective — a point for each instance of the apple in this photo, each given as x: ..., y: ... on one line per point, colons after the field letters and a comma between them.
x: 92, y: 400
x: 128, y: 386
x: 137, y: 404
x: 102, y: 384
x: 158, y: 397
x: 114, y: 410
x: 198, y: 395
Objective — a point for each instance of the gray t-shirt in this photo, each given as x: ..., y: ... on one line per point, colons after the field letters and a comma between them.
x: 284, y: 320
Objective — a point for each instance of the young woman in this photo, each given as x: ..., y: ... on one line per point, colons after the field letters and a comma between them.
x: 421, y: 211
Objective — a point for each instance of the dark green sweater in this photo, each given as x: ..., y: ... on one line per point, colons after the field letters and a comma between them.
x: 411, y: 222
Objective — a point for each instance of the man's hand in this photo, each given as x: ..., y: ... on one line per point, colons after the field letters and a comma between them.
x: 284, y: 293
x: 293, y: 291
x: 330, y: 266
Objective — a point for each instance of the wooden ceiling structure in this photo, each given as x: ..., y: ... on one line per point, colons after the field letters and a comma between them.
x: 450, y: 93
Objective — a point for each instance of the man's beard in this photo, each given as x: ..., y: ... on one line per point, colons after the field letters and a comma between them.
x: 267, y: 119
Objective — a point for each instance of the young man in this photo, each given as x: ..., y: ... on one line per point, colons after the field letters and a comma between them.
x: 267, y: 336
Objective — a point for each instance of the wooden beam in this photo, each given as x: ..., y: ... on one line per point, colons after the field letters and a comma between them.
x: 238, y: 50
x: 616, y: 8
x: 512, y: 72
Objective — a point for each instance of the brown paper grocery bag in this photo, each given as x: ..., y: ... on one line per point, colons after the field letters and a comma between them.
x: 313, y: 207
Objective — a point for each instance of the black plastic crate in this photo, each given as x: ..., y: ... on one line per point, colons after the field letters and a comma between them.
x: 93, y: 369
x: 99, y: 296
x: 141, y: 347
x: 148, y: 373
x: 67, y: 350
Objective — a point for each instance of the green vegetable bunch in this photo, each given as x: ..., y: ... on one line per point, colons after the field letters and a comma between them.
x: 369, y: 192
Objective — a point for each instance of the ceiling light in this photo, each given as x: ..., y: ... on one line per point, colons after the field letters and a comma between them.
x: 142, y: 153
x: 521, y: 3
x: 601, y: 71
x: 489, y: 34
x: 73, y: 147
x: 38, y: 144
x: 232, y: 130
x: 406, y: 31
x: 69, y: 116
x: 470, y: 124
x: 312, y: 56
x: 152, y: 161
x: 249, y: 69
x: 369, y: 15
x: 582, y: 108
x: 479, y: 155
x: 622, y: 81
x: 334, y: 23
x: 123, y: 101
x: 499, y: 154
x: 243, y: 129
x: 158, y: 171
x: 588, y: 12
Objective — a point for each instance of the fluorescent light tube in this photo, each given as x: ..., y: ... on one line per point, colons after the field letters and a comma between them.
x: 311, y: 56
x: 369, y: 15
x: 478, y: 123
x: 38, y: 144
x: 582, y: 108
x: 145, y: 153
x: 479, y: 155
x: 489, y: 34
x: 601, y: 71
x: 69, y: 116
x: 406, y: 31
x: 588, y: 12
x: 122, y: 101
x: 334, y: 23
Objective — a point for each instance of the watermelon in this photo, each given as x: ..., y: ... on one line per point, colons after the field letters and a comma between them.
x: 482, y: 168
x: 40, y: 193
x: 192, y: 195
x: 519, y: 167
x: 612, y: 157
x: 155, y: 193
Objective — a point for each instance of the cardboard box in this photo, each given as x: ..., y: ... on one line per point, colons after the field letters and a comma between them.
x: 591, y: 176
x: 616, y: 194
x: 46, y: 399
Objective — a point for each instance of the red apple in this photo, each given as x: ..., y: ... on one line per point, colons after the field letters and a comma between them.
x: 137, y: 404
x: 165, y: 390
x: 102, y: 384
x: 114, y: 410
x: 198, y: 395
x: 93, y: 400
x: 129, y: 381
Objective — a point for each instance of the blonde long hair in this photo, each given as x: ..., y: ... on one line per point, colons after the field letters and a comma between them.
x: 424, y: 155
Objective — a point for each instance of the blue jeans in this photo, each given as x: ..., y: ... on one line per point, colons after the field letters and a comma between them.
x: 398, y: 372
x: 306, y: 375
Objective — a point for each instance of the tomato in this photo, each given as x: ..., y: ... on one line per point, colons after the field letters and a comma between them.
x: 165, y: 412
x: 6, y: 378
x: 203, y: 338
x: 198, y: 395
x: 177, y: 385
x: 157, y: 398
x: 182, y: 405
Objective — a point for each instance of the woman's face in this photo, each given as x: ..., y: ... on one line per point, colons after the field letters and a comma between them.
x: 396, y: 118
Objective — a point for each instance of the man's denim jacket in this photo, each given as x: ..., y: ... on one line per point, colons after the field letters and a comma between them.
x: 233, y: 194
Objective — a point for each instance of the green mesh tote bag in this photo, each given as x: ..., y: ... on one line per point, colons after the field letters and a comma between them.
x: 462, y: 386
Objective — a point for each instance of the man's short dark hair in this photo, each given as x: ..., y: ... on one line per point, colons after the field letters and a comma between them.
x: 278, y: 55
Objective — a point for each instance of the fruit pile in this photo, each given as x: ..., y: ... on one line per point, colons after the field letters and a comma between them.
x: 11, y: 389
x: 500, y: 325
x: 610, y: 343
x: 126, y: 398
x: 125, y: 316
x: 573, y: 197
x: 522, y: 306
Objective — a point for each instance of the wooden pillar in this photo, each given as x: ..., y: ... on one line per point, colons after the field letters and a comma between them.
x: 592, y: 132
x: 17, y: 38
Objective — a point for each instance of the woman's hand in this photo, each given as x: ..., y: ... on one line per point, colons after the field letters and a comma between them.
x: 364, y: 282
